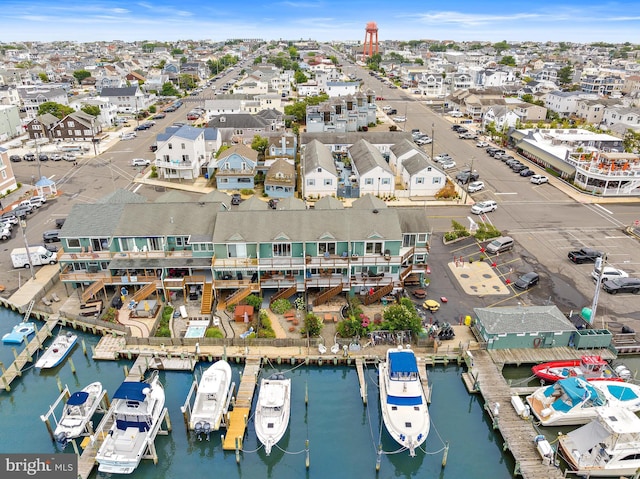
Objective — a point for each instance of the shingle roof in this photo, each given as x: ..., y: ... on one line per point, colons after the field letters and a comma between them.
x: 523, y: 319
x: 317, y: 155
x: 367, y: 157
x: 124, y: 91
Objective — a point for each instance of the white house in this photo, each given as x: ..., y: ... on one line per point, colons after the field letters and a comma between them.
x: 371, y: 170
x: 320, y: 177
x: 420, y: 177
x: 181, y: 152
x: 565, y: 103
x: 128, y: 99
x: 309, y: 88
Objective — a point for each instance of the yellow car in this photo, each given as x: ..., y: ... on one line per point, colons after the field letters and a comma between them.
x: 431, y: 305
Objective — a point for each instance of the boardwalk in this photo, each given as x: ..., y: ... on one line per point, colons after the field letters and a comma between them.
x: 518, y: 434
x: 361, y: 379
x: 26, y: 356
x: 237, y: 421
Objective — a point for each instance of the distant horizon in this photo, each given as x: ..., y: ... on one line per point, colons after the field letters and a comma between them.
x: 320, y: 20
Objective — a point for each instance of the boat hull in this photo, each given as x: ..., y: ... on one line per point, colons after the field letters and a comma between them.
x: 75, y: 418
x: 19, y: 333
x: 213, y: 390
x: 403, y: 404
x: 273, y: 410
x: 591, y: 368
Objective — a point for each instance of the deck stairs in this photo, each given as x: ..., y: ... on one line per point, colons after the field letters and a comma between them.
x: 144, y: 292
x: 284, y: 293
x: 377, y: 294
x: 207, y: 299
x: 238, y: 296
x: 328, y: 294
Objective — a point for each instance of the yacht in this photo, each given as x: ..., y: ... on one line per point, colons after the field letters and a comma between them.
x: 273, y: 410
x: 574, y: 401
x: 402, y: 399
x: 609, y: 446
x: 211, y: 399
x: 136, y: 411
x: 58, y: 351
x: 77, y: 412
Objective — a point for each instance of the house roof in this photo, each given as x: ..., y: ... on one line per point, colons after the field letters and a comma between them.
x: 523, y: 319
x: 316, y: 155
x: 238, y: 120
x: 124, y: 91
x: 93, y: 221
x: 367, y: 157
x: 328, y: 203
x: 122, y: 196
x: 253, y: 204
x: 415, y: 164
x: 239, y: 149
x: 373, y: 137
x: 405, y: 145
x: 174, y: 196
x: 280, y: 171
x: 291, y: 203
x: 369, y: 202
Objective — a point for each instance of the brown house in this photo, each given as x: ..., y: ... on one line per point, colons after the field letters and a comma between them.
x: 77, y: 126
x: 41, y: 126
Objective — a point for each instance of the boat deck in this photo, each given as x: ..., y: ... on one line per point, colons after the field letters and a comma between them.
x: 237, y: 421
x: 518, y: 434
x: 26, y: 356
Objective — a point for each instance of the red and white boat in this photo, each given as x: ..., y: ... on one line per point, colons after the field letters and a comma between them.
x: 589, y: 367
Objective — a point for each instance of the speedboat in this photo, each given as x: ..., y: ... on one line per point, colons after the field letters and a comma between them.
x: 273, y: 410
x: 19, y: 333
x: 402, y: 399
x: 136, y: 410
x: 208, y: 408
x: 574, y: 401
x: 78, y: 411
x: 609, y: 446
x: 59, y: 349
x: 589, y: 367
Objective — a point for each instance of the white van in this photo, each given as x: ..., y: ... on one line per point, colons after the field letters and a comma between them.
x: 500, y: 245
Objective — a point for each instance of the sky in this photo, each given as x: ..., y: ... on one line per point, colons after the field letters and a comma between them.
x: 583, y: 21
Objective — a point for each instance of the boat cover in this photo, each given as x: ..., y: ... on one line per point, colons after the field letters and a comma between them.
x: 404, y: 400
x: 622, y: 392
x: 587, y: 436
x: 402, y: 362
x: 132, y: 391
x: 78, y: 398
x: 578, y: 390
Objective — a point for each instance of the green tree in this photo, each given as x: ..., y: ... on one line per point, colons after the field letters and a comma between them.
x: 259, y: 144
x: 402, y: 317
x: 80, y: 75
x: 257, y: 60
x: 293, y: 53
x: 508, y: 60
x: 312, y: 325
x: 565, y: 74
x: 169, y: 89
x: 92, y: 110
x: 527, y: 97
x: 300, y: 77
x: 187, y: 81
x: 43, y: 77
x: 418, y: 61
x: 299, y: 108
x: 334, y: 59
x: 501, y: 46
x: 631, y: 141
x: 56, y: 109
x: 177, y: 51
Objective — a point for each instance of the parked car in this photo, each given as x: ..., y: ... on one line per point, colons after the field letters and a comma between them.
x: 400, y: 119
x: 69, y: 157
x: 5, y: 233
x: 517, y: 168
x: 29, y: 157
x: 50, y: 236
x: 159, y: 116
x: 539, y: 179
x: 527, y: 172
x: 15, y: 158
x: 468, y: 135
x: 56, y: 157
x: 456, y: 114
x: 441, y: 157
x: 142, y: 127
x: 475, y: 186
x: 622, y: 285
x: 484, y: 207
x: 22, y: 209
x: 465, y: 177
x: 140, y: 162
x: 43, y: 157
x: 608, y: 273
x: 236, y: 199
x: 448, y: 164
x: 393, y: 111
x: 10, y: 216
x: 128, y: 136
x: 584, y: 255
x: 527, y: 280
x: 482, y: 144
x: 423, y: 140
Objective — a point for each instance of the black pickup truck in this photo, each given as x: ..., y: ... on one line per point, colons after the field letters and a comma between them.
x: 584, y: 255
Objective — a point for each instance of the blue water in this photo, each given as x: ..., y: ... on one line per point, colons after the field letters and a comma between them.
x: 343, y: 434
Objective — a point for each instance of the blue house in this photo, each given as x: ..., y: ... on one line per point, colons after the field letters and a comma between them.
x: 236, y: 168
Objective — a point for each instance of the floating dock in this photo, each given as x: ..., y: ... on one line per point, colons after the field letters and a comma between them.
x: 361, y: 380
x: 518, y: 434
x: 237, y: 420
x: 424, y: 378
x: 26, y: 356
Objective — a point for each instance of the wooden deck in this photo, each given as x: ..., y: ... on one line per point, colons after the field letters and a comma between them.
x: 237, y: 420
x: 543, y: 355
x: 361, y: 379
x: 517, y: 433
x: 424, y: 378
x: 26, y: 356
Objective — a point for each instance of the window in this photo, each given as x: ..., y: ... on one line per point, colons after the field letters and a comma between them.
x: 422, y: 238
x: 328, y: 182
x: 281, y: 249
x: 185, y: 157
x: 182, y: 240
x: 182, y: 145
x: 165, y: 158
x: 368, y: 181
x: 326, y: 247
x: 420, y: 180
x: 170, y: 146
x: 436, y: 180
x: 311, y: 182
x: 73, y: 243
x: 238, y: 250
x: 373, y: 247
x: 386, y: 181
x: 70, y: 124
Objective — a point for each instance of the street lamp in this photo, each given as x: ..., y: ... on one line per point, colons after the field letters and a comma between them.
x: 433, y: 139
x: 466, y: 186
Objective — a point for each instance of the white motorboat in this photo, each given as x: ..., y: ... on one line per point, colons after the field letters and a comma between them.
x: 402, y: 399
x: 59, y: 349
x: 211, y: 398
x: 137, y: 415
x: 609, y: 446
x: 77, y: 412
x: 273, y: 410
x: 574, y: 401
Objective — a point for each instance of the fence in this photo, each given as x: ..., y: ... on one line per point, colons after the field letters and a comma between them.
x: 229, y: 342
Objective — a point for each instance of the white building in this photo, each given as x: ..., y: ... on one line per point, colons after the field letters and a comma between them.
x: 181, y: 153
x: 320, y: 177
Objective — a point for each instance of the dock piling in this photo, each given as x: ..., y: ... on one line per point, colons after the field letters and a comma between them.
x: 445, y: 454
x: 306, y: 448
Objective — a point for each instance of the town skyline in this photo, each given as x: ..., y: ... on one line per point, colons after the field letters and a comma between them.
x: 322, y: 20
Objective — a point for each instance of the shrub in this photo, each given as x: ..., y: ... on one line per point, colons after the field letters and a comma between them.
x: 486, y: 231
x: 279, y: 306
x: 246, y: 192
x: 312, y: 325
x: 213, y: 333
x: 110, y: 315
x: 163, y: 332
x: 253, y: 300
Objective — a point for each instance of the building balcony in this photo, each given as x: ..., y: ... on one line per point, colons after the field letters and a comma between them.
x: 175, y: 164
x: 336, y: 261
x: 93, y: 256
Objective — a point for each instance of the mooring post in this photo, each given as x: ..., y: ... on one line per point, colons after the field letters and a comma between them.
x: 59, y: 383
x: 306, y: 394
x: 306, y: 447
x: 445, y: 454
x: 84, y: 347
x: 237, y: 450
x: 73, y: 367
x: 378, y: 457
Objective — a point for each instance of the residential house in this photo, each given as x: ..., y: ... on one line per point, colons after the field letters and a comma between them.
x: 181, y: 153
x: 242, y: 127
x: 127, y: 99
x: 629, y: 118
x: 501, y: 117
x: 372, y: 172
x: 41, y: 127
x: 284, y: 146
x: 603, y: 84
x: 341, y: 88
x: 77, y: 126
x: 7, y: 179
x: 419, y: 176
x: 310, y: 88
x: 280, y: 180
x: 32, y: 99
x: 342, y: 114
x: 236, y: 168
x: 565, y: 103
x: 318, y: 170
x: 10, y: 124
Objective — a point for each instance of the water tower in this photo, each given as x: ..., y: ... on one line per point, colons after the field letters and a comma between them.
x: 370, y: 39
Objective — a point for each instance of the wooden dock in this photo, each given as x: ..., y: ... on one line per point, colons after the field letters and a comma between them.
x: 237, y: 420
x: 26, y: 356
x: 544, y: 355
x: 424, y: 378
x: 518, y: 434
x: 361, y: 380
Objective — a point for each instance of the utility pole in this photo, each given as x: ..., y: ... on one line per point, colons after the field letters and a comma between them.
x: 23, y: 228
x: 466, y: 186
x: 433, y: 138
x: 599, y: 266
